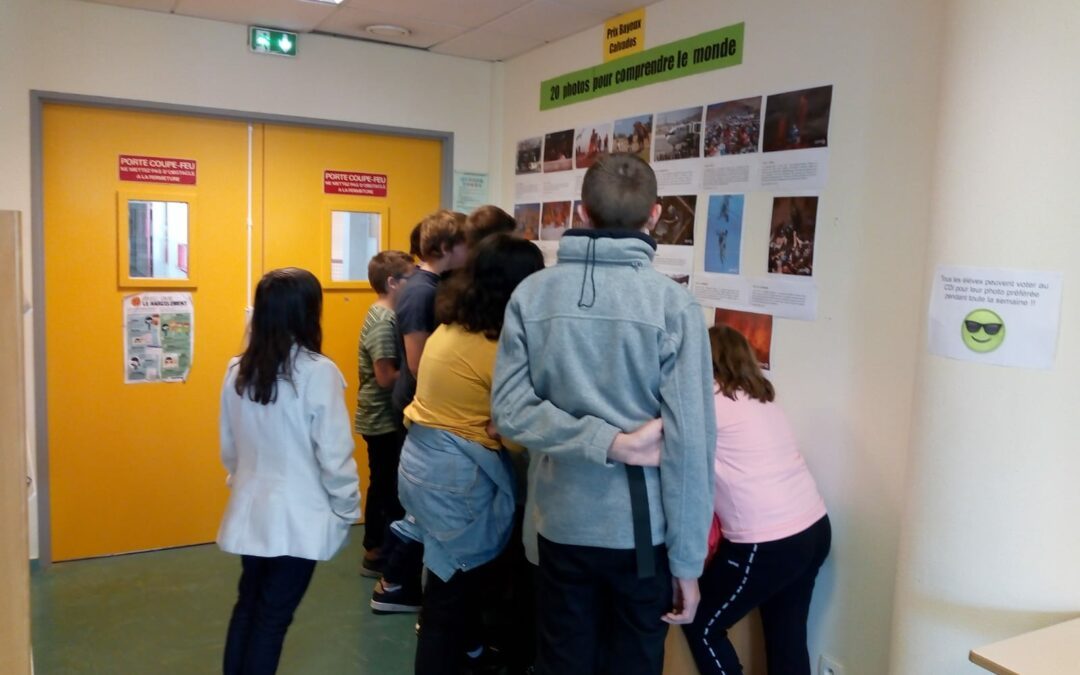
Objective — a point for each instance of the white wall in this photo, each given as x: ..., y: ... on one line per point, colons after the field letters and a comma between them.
x: 847, y: 379
x: 100, y: 50
x: 991, y: 546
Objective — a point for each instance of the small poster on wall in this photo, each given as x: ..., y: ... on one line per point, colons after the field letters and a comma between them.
x: 159, y: 337
x: 796, y: 139
x: 791, y: 235
x: 1005, y: 317
x: 732, y: 131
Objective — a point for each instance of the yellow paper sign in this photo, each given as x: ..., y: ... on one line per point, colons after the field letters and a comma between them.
x: 625, y: 34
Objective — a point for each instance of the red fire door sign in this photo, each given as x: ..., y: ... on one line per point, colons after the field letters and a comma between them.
x: 353, y: 183
x: 139, y: 169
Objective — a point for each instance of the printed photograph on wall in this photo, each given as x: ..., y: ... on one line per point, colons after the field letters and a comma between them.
x: 590, y: 142
x: 558, y: 151
x: 733, y: 128
x: 528, y: 155
x: 634, y: 134
x: 527, y: 217
x: 791, y: 235
x: 723, y: 234
x: 756, y: 328
x: 554, y: 220
x: 796, y: 120
x: 676, y: 224
x: 681, y: 279
x: 678, y: 134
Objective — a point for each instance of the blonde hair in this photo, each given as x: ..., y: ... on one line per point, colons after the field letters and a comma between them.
x: 735, y: 367
x: 440, y: 231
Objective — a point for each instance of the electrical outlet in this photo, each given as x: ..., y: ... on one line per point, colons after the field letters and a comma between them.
x: 827, y: 665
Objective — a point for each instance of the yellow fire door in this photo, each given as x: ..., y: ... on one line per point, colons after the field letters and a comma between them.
x: 138, y: 202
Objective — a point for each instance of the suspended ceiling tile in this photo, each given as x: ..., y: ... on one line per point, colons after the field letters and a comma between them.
x: 465, y: 13
x: 351, y: 21
x: 152, y: 5
x: 609, y: 7
x: 545, y: 20
x: 292, y: 15
x: 487, y: 45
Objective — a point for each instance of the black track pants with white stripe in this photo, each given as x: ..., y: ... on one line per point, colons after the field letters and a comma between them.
x: 777, y: 576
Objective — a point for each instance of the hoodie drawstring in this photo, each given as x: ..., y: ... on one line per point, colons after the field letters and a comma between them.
x: 590, y: 274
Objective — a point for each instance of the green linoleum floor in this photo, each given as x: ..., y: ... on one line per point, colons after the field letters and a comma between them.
x: 165, y: 613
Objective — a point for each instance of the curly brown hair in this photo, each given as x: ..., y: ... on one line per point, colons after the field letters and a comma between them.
x: 476, y: 299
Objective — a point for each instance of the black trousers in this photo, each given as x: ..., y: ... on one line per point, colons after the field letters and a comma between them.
x: 777, y: 576
x: 595, y: 615
x: 381, y: 506
x: 452, y: 619
x: 270, y: 592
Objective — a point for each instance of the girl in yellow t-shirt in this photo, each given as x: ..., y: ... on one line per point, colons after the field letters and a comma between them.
x: 454, y: 479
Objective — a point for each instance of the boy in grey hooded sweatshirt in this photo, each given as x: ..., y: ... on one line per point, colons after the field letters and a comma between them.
x: 596, y: 347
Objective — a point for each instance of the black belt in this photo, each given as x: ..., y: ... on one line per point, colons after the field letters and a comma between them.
x: 639, y: 509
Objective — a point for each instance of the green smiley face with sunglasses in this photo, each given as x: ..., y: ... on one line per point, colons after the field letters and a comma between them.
x: 983, y: 331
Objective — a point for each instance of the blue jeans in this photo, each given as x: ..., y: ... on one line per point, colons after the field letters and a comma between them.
x: 270, y: 592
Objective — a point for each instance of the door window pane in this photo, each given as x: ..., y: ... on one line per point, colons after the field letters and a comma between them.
x: 354, y: 240
x: 157, y: 240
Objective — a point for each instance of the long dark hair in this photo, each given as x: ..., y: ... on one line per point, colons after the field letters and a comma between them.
x: 288, y: 304
x: 476, y: 299
x: 735, y: 368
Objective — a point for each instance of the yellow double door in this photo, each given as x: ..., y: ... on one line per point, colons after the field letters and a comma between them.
x: 135, y: 466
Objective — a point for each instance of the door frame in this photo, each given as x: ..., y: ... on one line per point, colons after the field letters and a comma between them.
x: 38, y: 100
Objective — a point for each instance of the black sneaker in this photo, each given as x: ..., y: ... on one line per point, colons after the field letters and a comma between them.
x: 401, y: 600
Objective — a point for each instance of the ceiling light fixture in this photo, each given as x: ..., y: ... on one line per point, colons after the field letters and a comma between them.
x: 388, y: 30
x: 326, y: 2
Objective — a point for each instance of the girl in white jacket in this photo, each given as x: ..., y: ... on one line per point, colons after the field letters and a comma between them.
x: 287, y: 445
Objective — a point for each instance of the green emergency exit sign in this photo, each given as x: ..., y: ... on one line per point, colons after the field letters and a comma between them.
x: 270, y: 41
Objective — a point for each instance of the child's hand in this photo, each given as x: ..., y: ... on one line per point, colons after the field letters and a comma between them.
x: 640, y: 447
x: 684, y: 601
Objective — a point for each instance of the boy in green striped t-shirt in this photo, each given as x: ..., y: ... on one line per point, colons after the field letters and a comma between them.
x: 376, y: 420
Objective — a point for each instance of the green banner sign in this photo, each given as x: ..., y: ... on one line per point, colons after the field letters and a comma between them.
x: 716, y: 49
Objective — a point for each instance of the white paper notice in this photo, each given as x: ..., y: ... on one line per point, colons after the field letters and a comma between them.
x: 470, y: 191
x: 722, y: 290
x: 735, y: 173
x: 1005, y: 317
x: 779, y: 297
x: 674, y: 261
x: 677, y: 176
x: 795, y: 169
x: 527, y: 188
x: 558, y: 186
x: 784, y: 298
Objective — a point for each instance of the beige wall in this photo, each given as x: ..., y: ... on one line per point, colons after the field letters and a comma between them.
x: 14, y: 567
x: 991, y: 545
x: 847, y: 379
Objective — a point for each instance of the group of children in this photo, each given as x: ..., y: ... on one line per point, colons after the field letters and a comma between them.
x: 563, y: 436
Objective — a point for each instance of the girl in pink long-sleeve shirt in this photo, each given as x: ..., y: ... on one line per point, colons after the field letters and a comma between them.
x: 776, y: 531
